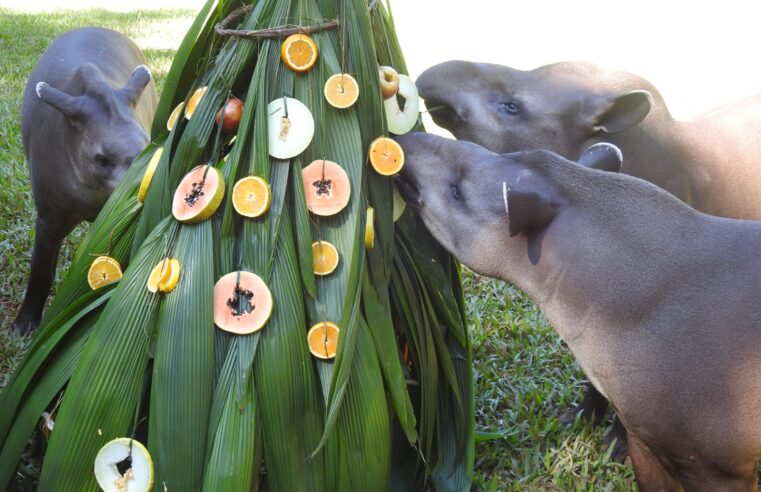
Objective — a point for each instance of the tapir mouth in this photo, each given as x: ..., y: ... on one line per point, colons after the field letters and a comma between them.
x: 408, y: 190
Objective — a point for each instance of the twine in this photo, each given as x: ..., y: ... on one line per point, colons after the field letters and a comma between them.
x: 272, y: 32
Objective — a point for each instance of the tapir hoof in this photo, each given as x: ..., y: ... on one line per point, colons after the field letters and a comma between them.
x: 621, y: 447
x: 592, y: 408
x: 25, y: 324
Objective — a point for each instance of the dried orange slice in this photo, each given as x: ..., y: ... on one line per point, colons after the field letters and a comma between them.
x: 341, y: 90
x: 174, y: 116
x: 324, y: 258
x: 326, y: 187
x: 148, y: 176
x: 299, y: 52
x: 252, y: 196
x: 103, y: 271
x: 386, y: 156
x: 242, y: 303
x: 198, y: 195
x: 370, y: 228
x: 159, y: 275
x: 170, y: 283
x: 323, y: 339
x: 193, y: 102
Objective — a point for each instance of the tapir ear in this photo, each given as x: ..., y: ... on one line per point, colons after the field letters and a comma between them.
x: 68, y: 105
x: 603, y: 156
x: 623, y: 112
x: 136, y: 84
x: 529, y: 207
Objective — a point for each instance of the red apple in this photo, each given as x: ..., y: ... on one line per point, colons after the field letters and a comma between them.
x: 233, y: 110
x: 389, y: 81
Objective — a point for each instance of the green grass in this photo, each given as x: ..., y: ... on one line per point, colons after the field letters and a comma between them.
x: 525, y: 378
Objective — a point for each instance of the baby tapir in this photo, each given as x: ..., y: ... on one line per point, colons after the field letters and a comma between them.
x: 86, y: 112
x: 658, y: 302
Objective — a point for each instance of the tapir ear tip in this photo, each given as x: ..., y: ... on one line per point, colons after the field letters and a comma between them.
x: 38, y: 88
x: 144, y: 68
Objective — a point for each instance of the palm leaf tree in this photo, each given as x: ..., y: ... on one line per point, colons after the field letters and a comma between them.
x: 393, y: 410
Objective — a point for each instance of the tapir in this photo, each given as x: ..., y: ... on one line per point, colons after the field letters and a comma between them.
x: 658, y: 302
x: 85, y: 116
x: 712, y: 162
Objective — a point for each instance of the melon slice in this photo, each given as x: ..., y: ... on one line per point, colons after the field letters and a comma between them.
x: 326, y: 187
x: 124, y: 465
x: 148, y: 176
x: 242, y: 303
x: 399, y: 204
x: 198, y: 195
x: 403, y: 119
x: 290, y: 127
x: 323, y: 339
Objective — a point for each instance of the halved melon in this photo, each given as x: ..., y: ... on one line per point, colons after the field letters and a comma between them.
x: 198, y: 195
x: 148, y: 176
x: 174, y: 116
x: 104, y: 270
x: 370, y: 228
x: 193, y: 102
x: 386, y: 156
x: 323, y: 339
x: 399, y: 204
x: 124, y: 465
x: 401, y: 120
x: 290, y: 127
x: 242, y: 303
x: 341, y: 90
x: 326, y: 187
x: 324, y: 258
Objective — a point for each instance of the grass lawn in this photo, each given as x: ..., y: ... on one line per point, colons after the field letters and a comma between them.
x: 525, y: 378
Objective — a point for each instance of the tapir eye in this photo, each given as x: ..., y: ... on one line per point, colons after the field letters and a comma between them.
x: 102, y: 160
x: 509, y: 107
x: 455, y: 189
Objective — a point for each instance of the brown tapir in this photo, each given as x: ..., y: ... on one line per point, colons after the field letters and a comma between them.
x: 658, y: 302
x: 87, y: 107
x: 712, y: 162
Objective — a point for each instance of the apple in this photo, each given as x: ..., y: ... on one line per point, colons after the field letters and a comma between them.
x: 389, y: 81
x: 233, y: 110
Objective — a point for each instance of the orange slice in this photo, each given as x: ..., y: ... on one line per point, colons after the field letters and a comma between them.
x: 198, y: 195
x: 386, y: 156
x: 159, y: 275
x: 370, y: 228
x: 341, y: 90
x: 323, y: 339
x: 299, y: 52
x: 324, y: 258
x: 193, y: 102
x: 174, y: 116
x: 170, y: 282
x: 242, y: 303
x: 252, y: 196
x: 326, y: 187
x: 104, y: 270
x: 148, y: 176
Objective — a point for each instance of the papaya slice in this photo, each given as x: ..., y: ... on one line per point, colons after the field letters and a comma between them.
x: 326, y: 187
x: 104, y: 270
x: 148, y: 176
x: 198, y: 195
x: 290, y: 127
x: 324, y: 258
x: 242, y: 303
x: 370, y: 228
x: 341, y: 90
x: 323, y: 339
x: 252, y: 196
x: 174, y: 116
x: 124, y: 465
x: 193, y: 102
x: 386, y: 156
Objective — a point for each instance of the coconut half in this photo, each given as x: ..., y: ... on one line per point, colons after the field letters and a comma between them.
x: 401, y: 120
x: 290, y: 127
x: 116, y: 470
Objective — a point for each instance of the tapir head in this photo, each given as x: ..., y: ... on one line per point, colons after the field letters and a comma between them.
x: 475, y: 202
x: 106, y: 134
x: 558, y: 107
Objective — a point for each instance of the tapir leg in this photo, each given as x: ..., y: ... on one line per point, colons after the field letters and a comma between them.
x: 650, y: 473
x: 592, y: 407
x: 49, y: 235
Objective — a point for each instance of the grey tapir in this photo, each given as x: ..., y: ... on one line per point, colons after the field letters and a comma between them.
x: 87, y: 107
x: 712, y: 162
x: 658, y: 302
